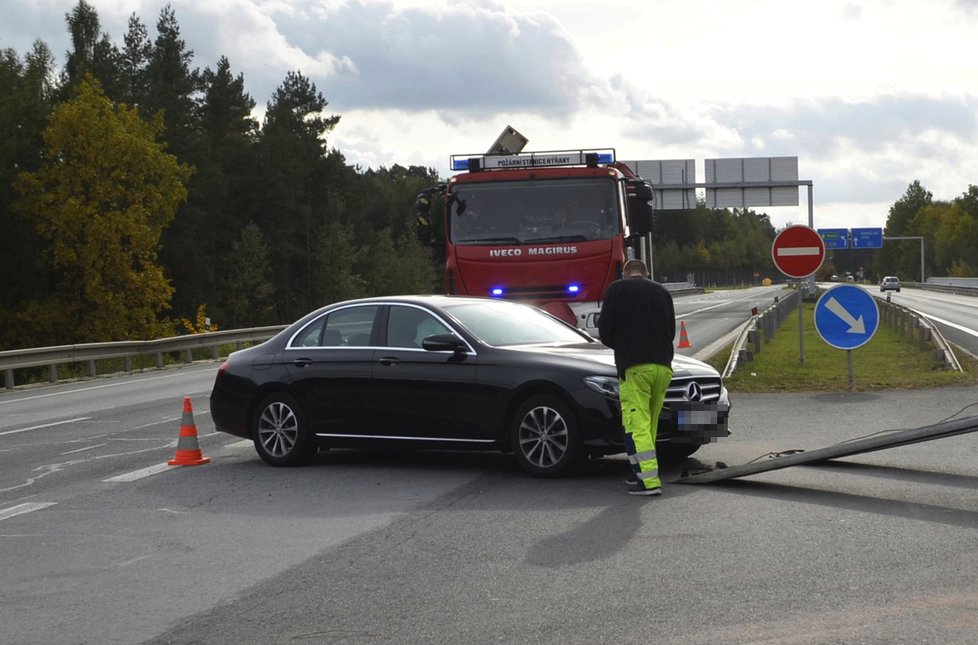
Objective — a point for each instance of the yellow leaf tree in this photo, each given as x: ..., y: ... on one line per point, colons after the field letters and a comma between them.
x: 101, y: 199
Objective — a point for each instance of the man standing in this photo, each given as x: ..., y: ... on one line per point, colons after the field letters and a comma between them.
x: 638, y: 321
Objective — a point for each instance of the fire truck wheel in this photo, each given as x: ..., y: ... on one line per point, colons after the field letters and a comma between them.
x: 546, y: 437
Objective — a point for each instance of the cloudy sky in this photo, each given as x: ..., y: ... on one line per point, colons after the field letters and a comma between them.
x: 869, y: 95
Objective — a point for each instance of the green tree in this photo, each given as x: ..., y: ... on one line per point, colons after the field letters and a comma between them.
x: 245, y: 287
x: 134, y: 63
x: 296, y: 179
x: 901, y: 259
x: 26, y: 101
x: 100, y: 201
x: 92, y: 53
x: 396, y: 266
x: 334, y: 265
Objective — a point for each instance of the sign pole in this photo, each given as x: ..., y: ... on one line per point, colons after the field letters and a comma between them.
x: 801, y: 328
x: 849, y: 360
x: 798, y: 252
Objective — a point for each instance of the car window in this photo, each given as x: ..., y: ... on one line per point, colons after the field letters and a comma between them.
x: 408, y: 326
x: 501, y: 323
x: 348, y: 327
x: 311, y: 336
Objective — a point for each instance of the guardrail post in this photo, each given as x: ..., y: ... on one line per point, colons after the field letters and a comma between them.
x: 91, y: 368
x: 188, y: 356
x: 753, y: 337
x: 8, y: 379
x: 52, y: 373
x: 159, y: 360
x: 127, y: 364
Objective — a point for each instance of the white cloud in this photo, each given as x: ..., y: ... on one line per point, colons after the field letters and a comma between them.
x: 868, y: 95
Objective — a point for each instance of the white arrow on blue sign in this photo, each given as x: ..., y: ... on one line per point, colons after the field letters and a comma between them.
x: 846, y: 316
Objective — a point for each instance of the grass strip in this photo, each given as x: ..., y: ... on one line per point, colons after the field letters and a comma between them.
x: 888, y: 361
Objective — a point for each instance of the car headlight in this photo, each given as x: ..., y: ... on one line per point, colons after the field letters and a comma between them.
x: 604, y: 385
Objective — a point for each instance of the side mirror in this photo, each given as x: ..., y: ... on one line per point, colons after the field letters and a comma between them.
x: 444, y: 343
x: 641, y: 214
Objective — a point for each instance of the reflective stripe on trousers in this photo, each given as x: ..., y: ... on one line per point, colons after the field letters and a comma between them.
x: 642, y: 393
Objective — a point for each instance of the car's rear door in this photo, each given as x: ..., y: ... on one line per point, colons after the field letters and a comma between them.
x: 330, y: 362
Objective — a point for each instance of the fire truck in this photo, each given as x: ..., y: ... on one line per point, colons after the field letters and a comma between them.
x: 552, y: 228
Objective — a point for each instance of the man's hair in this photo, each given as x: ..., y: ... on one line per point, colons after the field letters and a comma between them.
x: 635, y: 268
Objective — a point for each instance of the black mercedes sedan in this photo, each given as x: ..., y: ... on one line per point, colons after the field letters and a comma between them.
x: 445, y: 372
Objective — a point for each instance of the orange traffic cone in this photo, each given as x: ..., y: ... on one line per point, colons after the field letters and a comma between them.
x: 188, y: 450
x: 683, y: 338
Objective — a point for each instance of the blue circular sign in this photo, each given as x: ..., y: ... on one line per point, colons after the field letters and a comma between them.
x: 846, y: 316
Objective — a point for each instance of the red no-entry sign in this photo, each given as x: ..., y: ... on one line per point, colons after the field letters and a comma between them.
x: 798, y: 251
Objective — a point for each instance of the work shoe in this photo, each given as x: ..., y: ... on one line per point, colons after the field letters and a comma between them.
x: 640, y: 489
x: 631, y: 478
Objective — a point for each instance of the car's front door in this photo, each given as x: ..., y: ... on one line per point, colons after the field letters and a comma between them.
x: 425, y: 395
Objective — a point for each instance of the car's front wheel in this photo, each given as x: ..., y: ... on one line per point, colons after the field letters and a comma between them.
x: 280, y: 431
x: 545, y: 436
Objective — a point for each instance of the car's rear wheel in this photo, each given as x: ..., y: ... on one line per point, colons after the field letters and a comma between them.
x: 280, y: 431
x: 546, y: 437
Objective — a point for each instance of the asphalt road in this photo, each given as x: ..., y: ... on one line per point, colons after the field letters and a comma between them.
x: 448, y: 548
x: 101, y: 542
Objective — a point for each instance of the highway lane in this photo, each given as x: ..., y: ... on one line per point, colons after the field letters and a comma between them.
x: 713, y: 319
x: 102, y: 543
x: 955, y: 315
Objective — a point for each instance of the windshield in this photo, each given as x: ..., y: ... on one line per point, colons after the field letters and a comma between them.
x: 499, y: 323
x: 535, y: 211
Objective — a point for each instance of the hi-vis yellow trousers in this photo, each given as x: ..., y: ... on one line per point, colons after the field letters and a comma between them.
x: 642, y: 393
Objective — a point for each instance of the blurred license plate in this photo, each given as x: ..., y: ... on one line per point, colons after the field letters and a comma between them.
x: 699, y: 421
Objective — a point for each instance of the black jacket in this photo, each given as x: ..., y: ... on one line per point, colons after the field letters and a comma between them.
x: 638, y: 321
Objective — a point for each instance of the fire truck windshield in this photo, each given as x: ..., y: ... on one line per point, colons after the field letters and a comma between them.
x: 534, y: 211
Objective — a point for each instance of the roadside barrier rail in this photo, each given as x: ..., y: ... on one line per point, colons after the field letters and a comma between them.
x: 127, y: 350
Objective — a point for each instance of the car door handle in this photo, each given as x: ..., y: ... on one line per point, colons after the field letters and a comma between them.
x: 389, y: 361
x: 302, y: 362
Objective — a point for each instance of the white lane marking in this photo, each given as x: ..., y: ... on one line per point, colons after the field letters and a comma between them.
x: 71, y: 452
x: 20, y: 509
x: 947, y: 322
x: 139, y: 474
x: 46, y: 425
x: 799, y: 250
x: 126, y: 563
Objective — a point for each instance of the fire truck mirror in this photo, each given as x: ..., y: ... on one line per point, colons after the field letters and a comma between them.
x: 641, y: 217
x: 643, y: 192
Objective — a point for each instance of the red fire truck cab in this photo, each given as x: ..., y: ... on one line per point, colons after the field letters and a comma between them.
x: 552, y: 228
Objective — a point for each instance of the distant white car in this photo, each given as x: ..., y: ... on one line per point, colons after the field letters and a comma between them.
x: 890, y: 283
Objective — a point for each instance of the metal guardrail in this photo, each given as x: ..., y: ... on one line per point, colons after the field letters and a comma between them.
x: 759, y: 329
x: 957, y: 289
x: 89, y: 353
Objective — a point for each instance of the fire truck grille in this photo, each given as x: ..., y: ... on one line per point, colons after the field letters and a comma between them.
x: 556, y: 292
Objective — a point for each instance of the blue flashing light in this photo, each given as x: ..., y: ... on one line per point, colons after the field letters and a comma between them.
x: 606, y: 157
x: 460, y: 164
x: 574, y: 288
x: 496, y: 292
